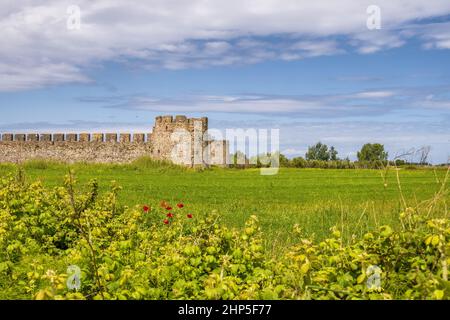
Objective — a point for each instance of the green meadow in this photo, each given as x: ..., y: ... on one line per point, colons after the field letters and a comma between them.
x: 356, y: 200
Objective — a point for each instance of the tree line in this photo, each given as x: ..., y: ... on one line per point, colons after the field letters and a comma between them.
x: 320, y: 155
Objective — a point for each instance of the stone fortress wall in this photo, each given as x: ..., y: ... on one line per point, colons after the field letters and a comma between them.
x: 120, y: 148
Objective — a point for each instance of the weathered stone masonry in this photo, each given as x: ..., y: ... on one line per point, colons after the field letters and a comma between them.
x: 118, y: 148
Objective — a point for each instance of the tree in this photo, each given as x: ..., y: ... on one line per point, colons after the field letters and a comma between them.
x: 240, y: 159
x: 333, y: 154
x: 320, y: 151
x: 298, y: 162
x: 266, y: 160
x: 372, y: 152
x: 423, y: 154
x: 284, y: 161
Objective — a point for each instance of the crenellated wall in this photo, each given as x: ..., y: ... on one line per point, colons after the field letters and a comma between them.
x: 116, y: 148
x: 72, y: 147
x: 75, y: 137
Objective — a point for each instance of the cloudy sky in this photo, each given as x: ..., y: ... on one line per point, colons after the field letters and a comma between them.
x: 313, y: 69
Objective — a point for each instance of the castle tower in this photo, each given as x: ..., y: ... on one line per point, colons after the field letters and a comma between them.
x: 174, y: 139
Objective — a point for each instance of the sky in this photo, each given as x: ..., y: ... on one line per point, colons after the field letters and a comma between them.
x: 313, y: 69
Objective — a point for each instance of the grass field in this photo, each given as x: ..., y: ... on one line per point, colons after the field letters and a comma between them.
x: 354, y: 200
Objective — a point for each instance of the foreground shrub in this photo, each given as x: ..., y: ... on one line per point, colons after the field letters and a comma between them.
x: 62, y: 244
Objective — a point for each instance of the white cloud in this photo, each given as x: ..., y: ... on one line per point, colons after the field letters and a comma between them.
x: 271, y: 105
x: 22, y: 77
x: 363, y: 103
x: 216, y: 47
x: 373, y: 94
x: 437, y: 36
x: 316, y: 48
x: 185, y: 34
x: 368, y: 42
x: 434, y: 104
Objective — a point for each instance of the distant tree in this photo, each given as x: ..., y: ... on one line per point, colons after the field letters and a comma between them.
x: 255, y: 160
x: 333, y: 154
x: 320, y: 151
x: 372, y: 152
x: 423, y: 154
x: 298, y: 162
x: 400, y: 162
x: 240, y: 159
x: 271, y: 159
x: 284, y: 161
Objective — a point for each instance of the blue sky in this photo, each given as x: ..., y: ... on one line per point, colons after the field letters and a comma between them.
x: 313, y: 70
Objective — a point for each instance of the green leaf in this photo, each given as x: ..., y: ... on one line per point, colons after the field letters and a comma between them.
x: 438, y: 294
x: 386, y: 231
x: 435, y: 240
x: 361, y: 278
x: 304, y: 268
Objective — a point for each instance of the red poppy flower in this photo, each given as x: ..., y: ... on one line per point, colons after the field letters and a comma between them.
x: 169, y: 208
x: 146, y: 208
x: 170, y: 215
x: 180, y: 205
x: 190, y: 216
x: 166, y: 221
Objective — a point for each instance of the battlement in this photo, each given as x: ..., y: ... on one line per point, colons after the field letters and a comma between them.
x: 179, y: 119
x: 164, y: 126
x: 76, y: 137
x: 170, y: 123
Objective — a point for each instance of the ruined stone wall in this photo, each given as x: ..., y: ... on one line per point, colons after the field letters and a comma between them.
x: 70, y: 148
x: 172, y: 139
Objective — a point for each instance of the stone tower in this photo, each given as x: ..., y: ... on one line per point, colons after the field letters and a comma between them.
x: 168, y: 132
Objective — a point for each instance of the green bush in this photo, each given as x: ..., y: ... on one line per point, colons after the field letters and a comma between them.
x: 168, y: 253
x: 299, y: 162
